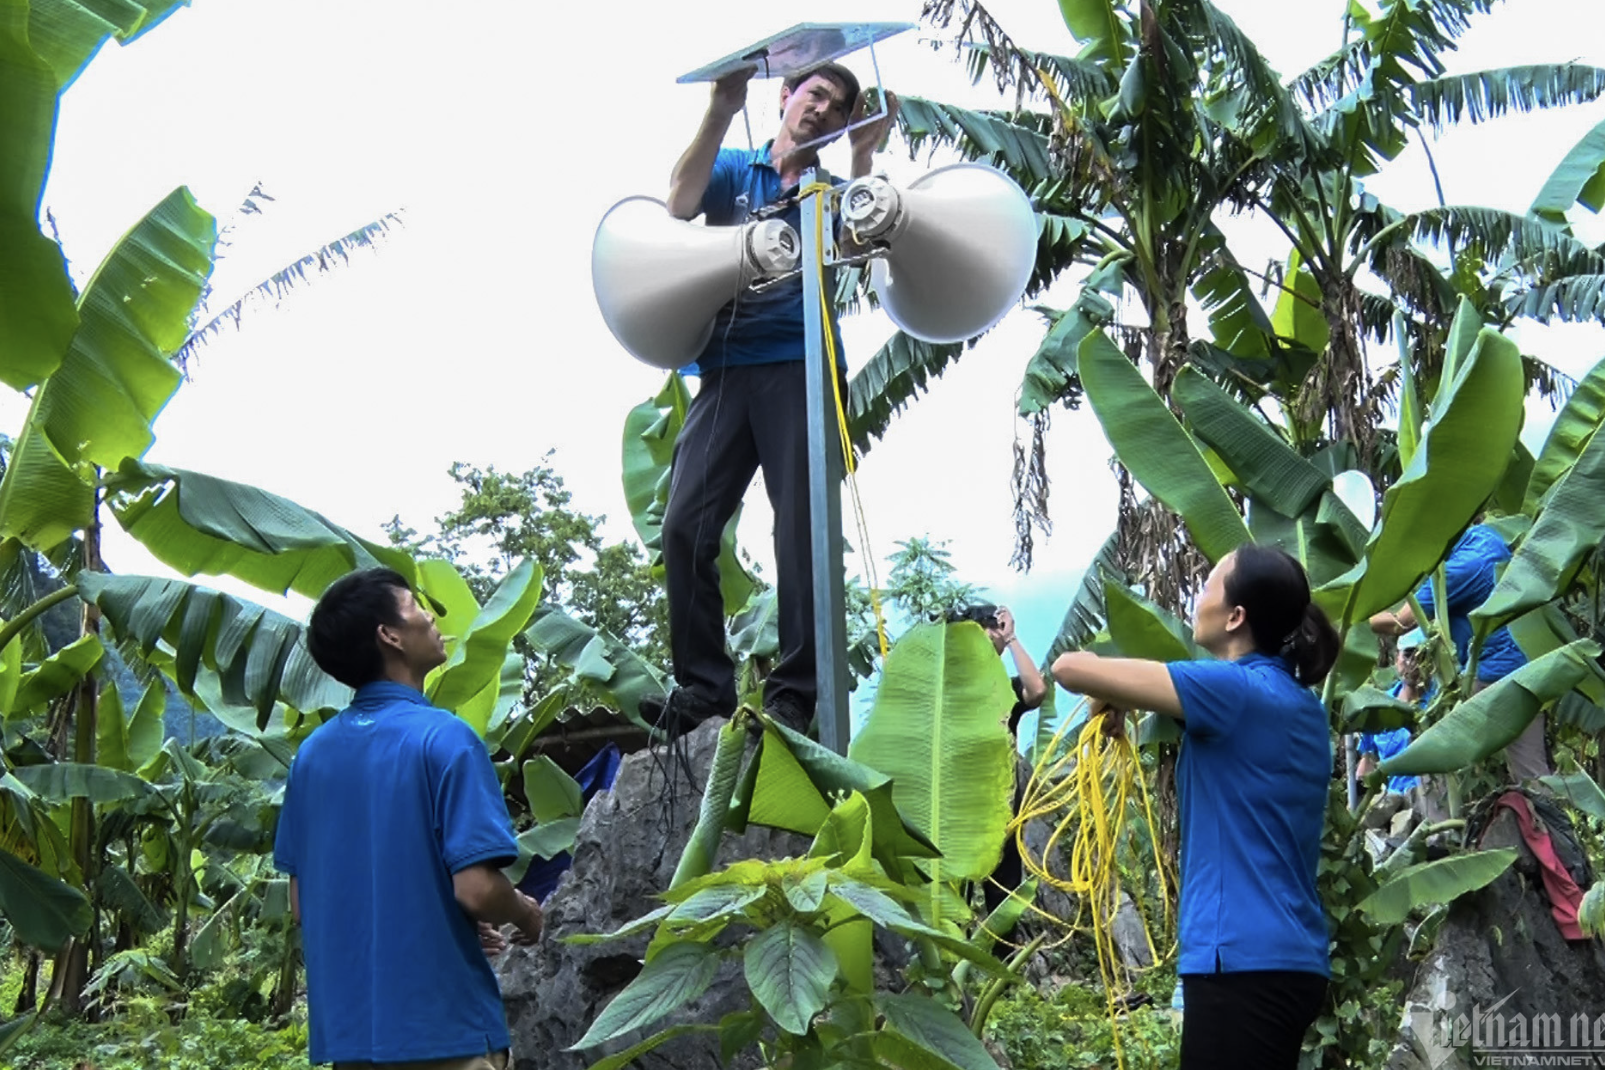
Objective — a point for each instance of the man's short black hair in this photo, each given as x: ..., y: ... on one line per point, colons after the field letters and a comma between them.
x: 342, y: 634
x: 845, y: 79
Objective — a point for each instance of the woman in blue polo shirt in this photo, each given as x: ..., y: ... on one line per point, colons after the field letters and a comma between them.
x: 1252, y: 781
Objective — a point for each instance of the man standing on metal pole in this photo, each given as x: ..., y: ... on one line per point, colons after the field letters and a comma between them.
x: 750, y: 411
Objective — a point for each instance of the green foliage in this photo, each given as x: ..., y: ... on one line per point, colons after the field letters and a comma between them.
x: 147, y: 1040
x: 922, y: 581
x: 786, y: 921
x: 1072, y: 1029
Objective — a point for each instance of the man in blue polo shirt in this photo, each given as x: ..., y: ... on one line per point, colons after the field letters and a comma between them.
x: 750, y: 411
x: 393, y: 833
x: 1471, y: 572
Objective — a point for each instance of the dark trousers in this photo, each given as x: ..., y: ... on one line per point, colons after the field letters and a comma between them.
x: 743, y: 418
x: 1256, y: 1018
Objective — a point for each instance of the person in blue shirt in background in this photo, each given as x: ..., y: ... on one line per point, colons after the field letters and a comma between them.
x: 1425, y: 792
x: 1471, y: 572
x: 751, y: 409
x: 394, y: 834
x: 1252, y: 780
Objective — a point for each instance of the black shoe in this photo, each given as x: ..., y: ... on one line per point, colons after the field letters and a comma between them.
x: 678, y: 712
x: 790, y: 713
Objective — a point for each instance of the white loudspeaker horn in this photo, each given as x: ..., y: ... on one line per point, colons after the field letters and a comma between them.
x: 660, y: 281
x: 962, y: 241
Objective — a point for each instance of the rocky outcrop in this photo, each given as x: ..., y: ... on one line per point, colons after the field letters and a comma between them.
x: 628, y: 845
x: 1500, y: 978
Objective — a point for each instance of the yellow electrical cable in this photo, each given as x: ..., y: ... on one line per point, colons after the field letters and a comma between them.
x: 1091, y: 802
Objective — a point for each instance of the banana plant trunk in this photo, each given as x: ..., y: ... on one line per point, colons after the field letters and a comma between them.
x: 73, y: 964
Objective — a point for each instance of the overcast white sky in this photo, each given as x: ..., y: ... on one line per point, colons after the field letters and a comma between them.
x: 506, y: 130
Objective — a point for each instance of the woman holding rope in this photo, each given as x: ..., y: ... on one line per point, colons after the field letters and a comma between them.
x: 1252, y: 782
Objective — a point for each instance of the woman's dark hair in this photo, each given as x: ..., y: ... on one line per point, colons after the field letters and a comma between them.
x: 1275, y: 596
x: 342, y: 634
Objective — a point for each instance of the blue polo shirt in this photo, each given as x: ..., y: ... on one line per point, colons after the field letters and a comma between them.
x: 384, y: 803
x: 765, y: 327
x: 1252, y: 780
x: 1470, y: 574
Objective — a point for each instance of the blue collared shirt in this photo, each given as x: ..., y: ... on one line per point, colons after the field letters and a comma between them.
x: 1470, y: 575
x: 1252, y: 782
x: 764, y: 327
x: 384, y: 804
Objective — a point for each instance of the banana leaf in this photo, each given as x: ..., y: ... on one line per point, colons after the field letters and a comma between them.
x: 938, y: 729
x: 1269, y: 469
x: 1459, y: 465
x: 482, y: 668
x: 259, y: 655
x: 1574, y: 427
x: 1569, y: 527
x: 1155, y: 448
x: 200, y: 524
x: 1432, y: 883
x: 1495, y: 716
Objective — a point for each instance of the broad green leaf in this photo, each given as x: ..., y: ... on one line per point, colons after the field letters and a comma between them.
x: 258, y: 655
x: 885, y: 911
x: 755, y: 631
x: 546, y: 840
x: 1002, y: 920
x: 1098, y: 25
x: 1569, y: 527
x: 1460, y: 462
x: 1237, y: 321
x: 1298, y: 313
x: 1580, y: 790
x: 938, y: 730
x: 1512, y: 490
x: 650, y: 432
x: 1017, y: 148
x: 1591, y: 911
x: 1574, y: 428
x: 933, y: 1027
x: 37, y: 317
x: 805, y: 892
x: 1052, y: 372
x: 628, y: 679
x: 68, y: 33
x: 676, y: 975
x: 1270, y: 469
x: 1155, y: 448
x: 44, y: 912
x: 42, y: 501
x: 10, y: 674
x: 835, y: 776
x: 783, y: 796
x: 789, y: 970
x: 717, y: 901
x: 1495, y: 716
x: 1369, y: 709
x: 847, y: 837
x: 114, y: 888
x: 886, y: 383
x: 551, y: 792
x: 60, y: 781
x: 199, y: 524
x: 1580, y: 179
x: 1140, y: 629
x: 1320, y: 546
x: 1464, y: 333
x: 480, y: 652
x: 630, y: 928
x: 135, y: 313
x: 58, y: 674
x: 449, y: 595
x: 111, y: 730
x: 1432, y: 883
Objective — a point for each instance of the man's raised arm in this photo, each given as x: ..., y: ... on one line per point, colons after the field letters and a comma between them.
x: 689, y: 180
